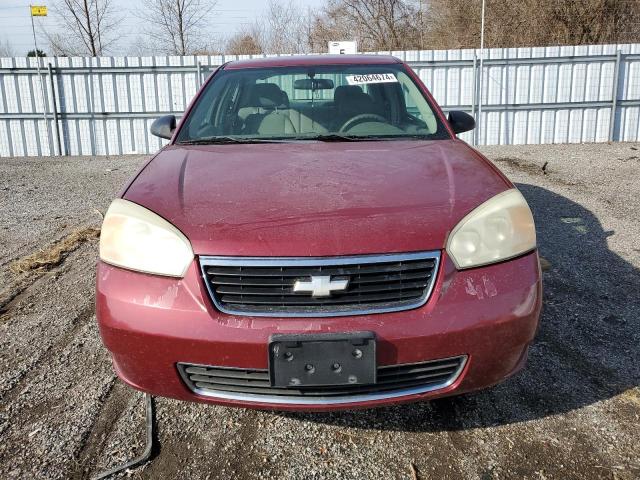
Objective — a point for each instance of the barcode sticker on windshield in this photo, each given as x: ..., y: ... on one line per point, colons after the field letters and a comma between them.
x: 371, y: 78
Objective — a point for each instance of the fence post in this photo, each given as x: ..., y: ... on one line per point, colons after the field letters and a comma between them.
x: 92, y: 111
x: 198, y: 75
x: 479, y: 123
x: 44, y: 96
x: 54, y: 104
x: 614, y: 99
x: 474, y: 93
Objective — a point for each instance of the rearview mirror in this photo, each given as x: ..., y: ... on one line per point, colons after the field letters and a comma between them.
x: 164, y: 127
x: 313, y: 84
x: 461, y: 121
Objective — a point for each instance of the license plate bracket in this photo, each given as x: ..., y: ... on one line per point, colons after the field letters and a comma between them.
x: 325, y: 359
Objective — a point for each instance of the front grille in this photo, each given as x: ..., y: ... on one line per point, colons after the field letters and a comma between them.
x: 265, y: 286
x: 254, y: 384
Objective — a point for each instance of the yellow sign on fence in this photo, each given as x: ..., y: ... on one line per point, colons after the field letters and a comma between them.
x: 38, y: 11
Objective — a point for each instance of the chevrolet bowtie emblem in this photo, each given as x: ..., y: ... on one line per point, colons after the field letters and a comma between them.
x: 321, y: 286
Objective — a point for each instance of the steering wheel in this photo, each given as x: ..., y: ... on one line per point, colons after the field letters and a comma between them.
x: 362, y: 117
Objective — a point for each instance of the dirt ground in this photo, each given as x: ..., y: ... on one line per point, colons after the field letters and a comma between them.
x: 573, y: 413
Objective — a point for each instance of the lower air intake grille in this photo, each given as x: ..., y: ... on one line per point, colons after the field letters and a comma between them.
x: 322, y: 286
x: 254, y: 385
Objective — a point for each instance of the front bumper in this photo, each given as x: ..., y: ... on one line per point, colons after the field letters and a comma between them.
x: 150, y: 324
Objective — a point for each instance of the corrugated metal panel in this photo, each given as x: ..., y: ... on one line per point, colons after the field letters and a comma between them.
x: 530, y: 95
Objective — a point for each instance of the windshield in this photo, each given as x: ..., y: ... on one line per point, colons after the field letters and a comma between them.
x: 333, y: 103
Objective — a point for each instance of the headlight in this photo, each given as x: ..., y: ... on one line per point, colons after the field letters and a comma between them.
x: 136, y: 238
x: 499, y: 229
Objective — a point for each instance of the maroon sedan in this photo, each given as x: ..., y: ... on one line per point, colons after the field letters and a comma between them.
x: 315, y: 237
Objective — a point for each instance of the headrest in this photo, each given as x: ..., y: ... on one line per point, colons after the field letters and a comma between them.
x: 352, y: 100
x: 268, y: 95
x: 345, y: 91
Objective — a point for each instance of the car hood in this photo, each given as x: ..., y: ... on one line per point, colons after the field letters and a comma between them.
x: 316, y: 199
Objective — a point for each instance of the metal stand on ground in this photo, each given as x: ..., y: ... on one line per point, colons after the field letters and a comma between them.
x: 40, y: 11
x: 146, y: 455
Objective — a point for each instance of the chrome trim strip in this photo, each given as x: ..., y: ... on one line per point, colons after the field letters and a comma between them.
x: 207, y: 261
x: 338, y: 400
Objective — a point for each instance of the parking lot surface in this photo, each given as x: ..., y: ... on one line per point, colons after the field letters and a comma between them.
x: 574, y: 412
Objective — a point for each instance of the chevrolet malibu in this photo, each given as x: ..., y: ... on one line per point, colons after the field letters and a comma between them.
x: 315, y: 237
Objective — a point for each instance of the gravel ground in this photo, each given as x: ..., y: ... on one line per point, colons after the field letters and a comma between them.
x: 574, y: 412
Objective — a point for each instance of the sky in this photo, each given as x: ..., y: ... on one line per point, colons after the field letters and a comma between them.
x: 15, y: 23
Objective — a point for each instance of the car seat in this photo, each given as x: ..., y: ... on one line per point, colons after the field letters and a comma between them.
x: 272, y: 117
x: 350, y: 101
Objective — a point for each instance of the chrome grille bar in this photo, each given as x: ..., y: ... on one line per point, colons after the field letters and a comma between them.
x: 264, y: 286
x: 252, y: 385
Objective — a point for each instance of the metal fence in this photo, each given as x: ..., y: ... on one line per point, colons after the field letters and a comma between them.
x: 105, y: 105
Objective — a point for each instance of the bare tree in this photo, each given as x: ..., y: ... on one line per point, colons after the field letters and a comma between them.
x: 375, y: 24
x: 241, y: 44
x: 177, y: 27
x: 89, y: 26
x: 6, y: 49
x: 594, y: 21
x: 286, y: 27
x: 246, y: 42
x: 456, y: 23
x: 327, y: 26
x: 283, y: 27
x: 434, y: 24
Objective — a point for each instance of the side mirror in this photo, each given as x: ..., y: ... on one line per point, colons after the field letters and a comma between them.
x: 461, y: 121
x: 163, y: 127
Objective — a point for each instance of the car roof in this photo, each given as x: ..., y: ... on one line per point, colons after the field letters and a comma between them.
x: 304, y: 60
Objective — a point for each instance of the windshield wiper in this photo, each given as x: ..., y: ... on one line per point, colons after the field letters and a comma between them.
x: 336, y: 137
x: 378, y: 138
x: 328, y: 137
x: 226, y: 140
